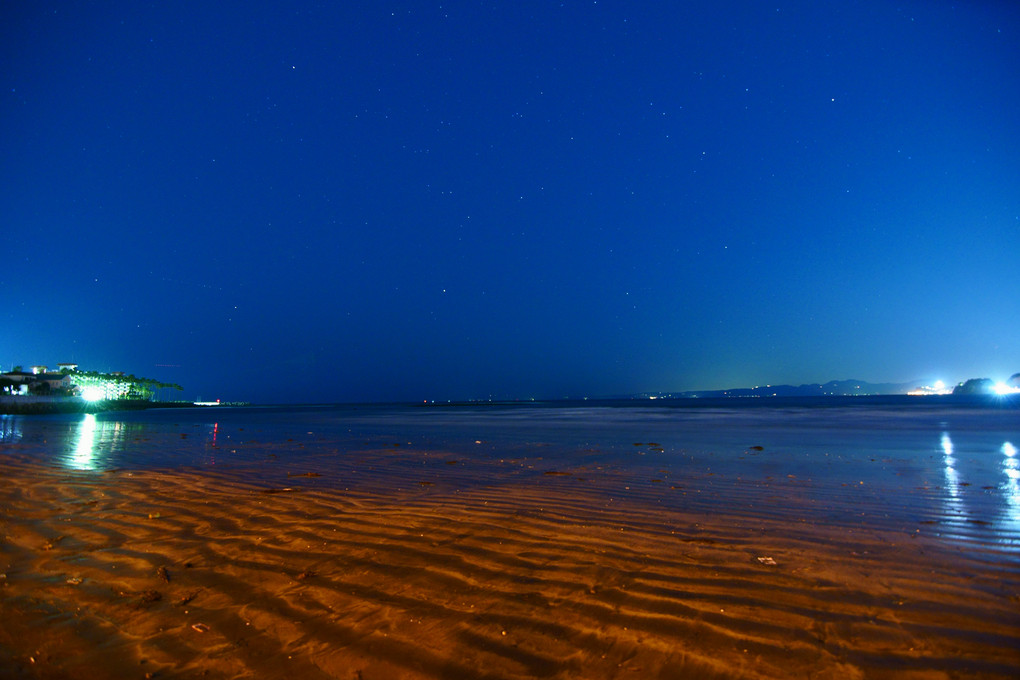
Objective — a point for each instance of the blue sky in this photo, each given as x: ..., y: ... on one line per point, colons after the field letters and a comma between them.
x: 406, y: 201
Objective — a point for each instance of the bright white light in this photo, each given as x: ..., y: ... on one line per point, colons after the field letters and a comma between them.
x: 939, y: 385
x: 952, y: 476
x: 947, y: 444
x: 1003, y: 388
x: 93, y: 393
x: 1011, y: 489
x: 83, y: 453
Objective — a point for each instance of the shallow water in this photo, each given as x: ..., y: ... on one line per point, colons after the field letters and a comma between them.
x: 952, y: 472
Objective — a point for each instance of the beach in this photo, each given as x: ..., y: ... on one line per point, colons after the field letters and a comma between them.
x: 413, y: 561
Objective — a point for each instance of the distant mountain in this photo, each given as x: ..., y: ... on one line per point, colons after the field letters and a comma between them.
x: 831, y: 388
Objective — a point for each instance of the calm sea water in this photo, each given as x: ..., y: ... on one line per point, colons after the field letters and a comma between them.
x: 946, y: 468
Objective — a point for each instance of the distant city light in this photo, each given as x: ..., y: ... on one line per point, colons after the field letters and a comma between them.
x: 938, y: 388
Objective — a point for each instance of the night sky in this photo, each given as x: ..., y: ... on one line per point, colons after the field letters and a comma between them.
x: 360, y: 201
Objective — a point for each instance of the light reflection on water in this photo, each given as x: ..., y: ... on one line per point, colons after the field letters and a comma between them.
x: 953, y: 512
x: 10, y: 429
x: 954, y: 474
x: 82, y: 458
x: 1011, y: 487
x: 968, y: 509
x: 952, y: 477
x: 97, y: 443
x: 93, y: 442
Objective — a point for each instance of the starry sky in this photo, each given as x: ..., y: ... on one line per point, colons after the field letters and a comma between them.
x: 381, y: 201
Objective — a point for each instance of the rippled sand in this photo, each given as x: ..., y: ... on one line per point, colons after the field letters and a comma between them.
x: 181, y: 574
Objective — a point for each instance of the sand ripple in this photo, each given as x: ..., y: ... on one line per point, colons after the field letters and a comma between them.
x: 181, y: 573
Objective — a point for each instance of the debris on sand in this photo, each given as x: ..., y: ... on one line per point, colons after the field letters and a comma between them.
x: 187, y: 598
x: 147, y: 597
x: 49, y: 545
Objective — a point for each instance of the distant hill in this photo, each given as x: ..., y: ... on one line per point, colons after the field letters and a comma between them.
x: 831, y: 388
x: 976, y: 386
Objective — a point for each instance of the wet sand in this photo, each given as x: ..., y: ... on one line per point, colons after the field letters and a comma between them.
x: 203, y: 573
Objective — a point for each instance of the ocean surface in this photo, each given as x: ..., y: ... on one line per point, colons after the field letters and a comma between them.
x: 932, y: 467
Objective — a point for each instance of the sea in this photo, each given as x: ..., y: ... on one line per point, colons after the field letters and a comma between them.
x: 947, y: 468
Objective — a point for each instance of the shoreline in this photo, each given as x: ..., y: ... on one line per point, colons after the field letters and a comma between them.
x: 22, y: 406
x: 68, y: 405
